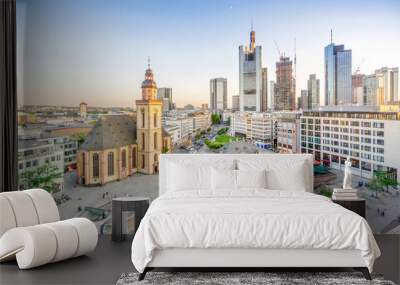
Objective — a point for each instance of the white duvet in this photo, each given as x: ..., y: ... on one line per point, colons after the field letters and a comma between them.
x: 250, y: 219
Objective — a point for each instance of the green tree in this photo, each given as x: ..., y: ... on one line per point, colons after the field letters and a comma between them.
x: 165, y: 149
x: 375, y: 185
x: 325, y: 191
x: 42, y: 177
x: 385, y: 180
x: 215, y: 119
x: 80, y: 138
x: 222, y: 131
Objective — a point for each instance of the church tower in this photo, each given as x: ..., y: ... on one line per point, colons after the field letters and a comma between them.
x: 149, y: 131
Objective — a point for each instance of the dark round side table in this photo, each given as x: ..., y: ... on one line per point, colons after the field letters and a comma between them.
x: 127, y: 212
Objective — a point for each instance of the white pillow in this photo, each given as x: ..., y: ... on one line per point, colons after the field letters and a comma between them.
x: 251, y: 178
x: 292, y: 179
x: 183, y: 178
x: 282, y: 173
x: 223, y: 179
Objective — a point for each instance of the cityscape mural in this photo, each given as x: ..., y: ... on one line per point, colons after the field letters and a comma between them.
x: 106, y: 87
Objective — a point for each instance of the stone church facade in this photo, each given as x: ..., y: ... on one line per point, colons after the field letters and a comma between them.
x: 149, y: 130
x: 121, y: 145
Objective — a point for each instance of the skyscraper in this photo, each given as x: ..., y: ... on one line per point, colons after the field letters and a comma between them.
x: 272, y: 94
x: 235, y: 102
x: 83, y: 109
x: 304, y: 100
x: 390, y: 82
x: 285, y: 99
x: 337, y: 75
x: 357, y: 88
x: 372, y: 92
x: 264, y: 89
x: 218, y: 95
x: 313, y: 92
x: 165, y: 93
x: 250, y: 76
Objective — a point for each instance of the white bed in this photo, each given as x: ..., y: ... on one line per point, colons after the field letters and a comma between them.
x: 226, y: 226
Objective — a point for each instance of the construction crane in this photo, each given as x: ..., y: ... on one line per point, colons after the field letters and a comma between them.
x: 358, y: 67
x: 277, y: 48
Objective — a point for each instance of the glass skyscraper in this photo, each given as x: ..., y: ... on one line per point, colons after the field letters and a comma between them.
x: 218, y: 95
x: 337, y: 75
x: 250, y: 76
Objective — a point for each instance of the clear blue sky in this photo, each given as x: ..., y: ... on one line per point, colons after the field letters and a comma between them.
x: 96, y: 50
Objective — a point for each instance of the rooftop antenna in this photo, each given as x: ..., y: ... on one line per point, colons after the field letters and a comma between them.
x: 331, y: 36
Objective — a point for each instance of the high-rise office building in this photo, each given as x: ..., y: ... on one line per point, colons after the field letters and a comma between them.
x: 299, y: 104
x: 390, y: 82
x: 250, y: 76
x: 235, y: 102
x: 264, y: 89
x: 285, y: 98
x: 357, y: 88
x: 304, y: 100
x: 83, y: 110
x: 272, y: 94
x: 373, y: 90
x: 313, y: 92
x: 218, y: 95
x: 165, y: 93
x: 337, y: 75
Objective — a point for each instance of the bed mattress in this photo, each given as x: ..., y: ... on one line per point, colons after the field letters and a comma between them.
x: 250, y: 219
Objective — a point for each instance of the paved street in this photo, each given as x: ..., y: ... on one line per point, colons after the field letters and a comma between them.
x: 81, y: 196
x: 387, y: 202
x: 147, y: 185
x: 136, y: 185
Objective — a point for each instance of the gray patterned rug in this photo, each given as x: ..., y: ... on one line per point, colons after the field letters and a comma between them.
x: 269, y: 278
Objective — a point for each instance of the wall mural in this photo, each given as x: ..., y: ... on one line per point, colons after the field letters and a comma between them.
x: 95, y: 112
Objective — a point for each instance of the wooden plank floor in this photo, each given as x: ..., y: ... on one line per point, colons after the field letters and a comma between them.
x: 110, y: 260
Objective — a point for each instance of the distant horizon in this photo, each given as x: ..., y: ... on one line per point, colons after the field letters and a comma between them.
x: 96, y: 50
x: 94, y: 106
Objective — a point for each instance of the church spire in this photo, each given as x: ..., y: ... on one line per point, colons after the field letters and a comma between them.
x: 149, y: 86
